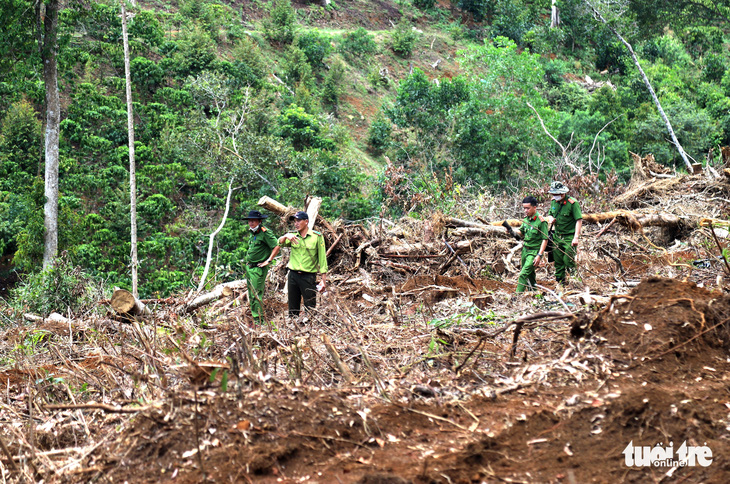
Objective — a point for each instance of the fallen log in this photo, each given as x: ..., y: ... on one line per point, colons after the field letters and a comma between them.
x: 313, y: 211
x: 634, y: 220
x: 419, y: 248
x: 219, y: 291
x: 457, y: 222
x: 281, y: 210
x: 479, y: 231
x: 55, y: 317
x: 273, y: 206
x: 124, y: 302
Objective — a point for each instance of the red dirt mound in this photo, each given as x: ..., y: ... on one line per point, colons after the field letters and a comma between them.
x: 662, y: 316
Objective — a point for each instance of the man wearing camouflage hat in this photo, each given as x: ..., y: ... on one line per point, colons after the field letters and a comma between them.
x: 566, y: 217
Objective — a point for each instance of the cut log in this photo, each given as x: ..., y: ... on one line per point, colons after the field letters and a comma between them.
x: 219, y: 291
x: 635, y: 220
x: 273, y: 206
x: 313, y: 211
x: 281, y: 210
x: 457, y: 222
x: 124, y: 302
x: 55, y: 317
x: 480, y: 231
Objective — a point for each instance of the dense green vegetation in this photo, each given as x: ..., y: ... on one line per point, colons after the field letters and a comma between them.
x: 258, y: 95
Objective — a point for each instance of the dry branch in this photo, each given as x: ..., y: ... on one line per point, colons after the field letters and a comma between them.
x: 219, y: 291
x: 341, y: 367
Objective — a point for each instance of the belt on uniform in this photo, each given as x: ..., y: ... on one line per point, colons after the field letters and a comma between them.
x: 305, y: 273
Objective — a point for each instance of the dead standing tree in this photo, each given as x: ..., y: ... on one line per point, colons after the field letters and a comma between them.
x: 570, y: 157
x: 597, y: 14
x: 132, y: 165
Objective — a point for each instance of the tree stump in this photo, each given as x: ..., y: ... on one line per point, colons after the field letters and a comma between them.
x: 124, y: 302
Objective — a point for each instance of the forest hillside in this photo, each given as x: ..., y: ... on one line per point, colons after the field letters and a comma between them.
x: 299, y: 99
x: 308, y: 98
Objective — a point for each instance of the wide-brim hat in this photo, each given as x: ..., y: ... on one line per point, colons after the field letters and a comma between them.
x: 256, y: 215
x: 557, y: 188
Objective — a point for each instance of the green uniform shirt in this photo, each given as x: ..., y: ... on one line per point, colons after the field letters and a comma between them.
x: 260, y: 245
x: 566, y: 214
x: 307, y: 254
x: 534, y: 232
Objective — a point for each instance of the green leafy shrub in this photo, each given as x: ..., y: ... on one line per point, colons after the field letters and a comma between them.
x: 713, y: 67
x: 358, y: 43
x: 249, y: 64
x: 155, y: 210
x: 478, y: 8
x: 20, y: 144
x: 512, y: 20
x: 196, y: 52
x: 297, y: 68
x: 61, y: 288
x: 145, y: 26
x: 702, y: 40
x: 667, y: 48
x: 404, y: 38
x: 280, y: 27
x: 302, y: 129
x: 332, y: 87
x: 146, y: 74
x: 424, y: 4
x: 610, y: 53
x: 316, y: 46
x: 379, y: 134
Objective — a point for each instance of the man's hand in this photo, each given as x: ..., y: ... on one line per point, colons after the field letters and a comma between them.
x: 264, y: 263
x: 538, y: 260
x: 550, y: 219
x: 574, y: 243
x: 292, y: 237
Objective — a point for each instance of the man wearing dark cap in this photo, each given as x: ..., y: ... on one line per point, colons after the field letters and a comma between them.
x: 308, y: 257
x: 262, y: 248
x: 566, y: 217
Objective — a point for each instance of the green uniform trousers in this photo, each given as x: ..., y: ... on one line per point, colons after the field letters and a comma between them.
x: 564, y: 254
x: 526, y: 281
x: 256, y: 281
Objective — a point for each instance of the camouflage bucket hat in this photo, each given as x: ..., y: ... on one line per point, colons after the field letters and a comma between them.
x: 557, y: 188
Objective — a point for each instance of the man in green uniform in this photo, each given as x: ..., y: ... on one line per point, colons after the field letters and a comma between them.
x: 308, y: 257
x: 566, y: 217
x: 262, y: 248
x: 534, y: 230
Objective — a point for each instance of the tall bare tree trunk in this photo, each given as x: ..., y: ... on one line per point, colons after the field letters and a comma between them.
x: 132, y: 167
x: 554, y: 14
x: 600, y: 17
x: 47, y: 39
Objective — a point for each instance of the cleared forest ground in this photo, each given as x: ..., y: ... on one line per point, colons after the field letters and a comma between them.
x: 444, y: 374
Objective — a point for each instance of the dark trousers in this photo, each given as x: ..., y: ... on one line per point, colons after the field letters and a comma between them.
x: 302, y: 285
